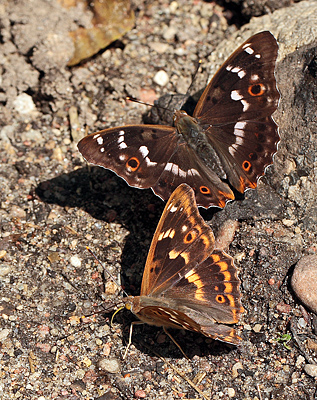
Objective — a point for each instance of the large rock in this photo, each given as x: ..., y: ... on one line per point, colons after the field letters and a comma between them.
x: 304, y: 281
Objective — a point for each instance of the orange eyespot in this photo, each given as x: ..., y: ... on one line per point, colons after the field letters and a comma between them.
x: 246, y: 165
x: 204, y: 190
x: 132, y: 164
x: 256, y: 90
x: 220, y: 299
x: 190, y: 237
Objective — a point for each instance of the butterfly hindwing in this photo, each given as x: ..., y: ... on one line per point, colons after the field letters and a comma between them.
x: 182, y: 239
x: 245, y: 149
x: 185, y: 167
x: 211, y: 289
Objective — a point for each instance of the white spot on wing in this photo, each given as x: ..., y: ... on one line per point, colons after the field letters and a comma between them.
x: 235, y: 95
x: 121, y: 133
x: 255, y: 77
x: 245, y: 104
x: 229, y: 67
x: 96, y: 136
x: 193, y: 171
x: 237, y: 70
x: 249, y: 50
x: 150, y: 163
x: 102, y: 149
x: 173, y: 209
x: 257, y: 56
x: 239, y: 140
x: 144, y: 151
x: 100, y: 140
x: 232, y: 151
x: 122, y: 157
x: 180, y: 172
x: 122, y: 146
x: 184, y: 228
x: 240, y: 125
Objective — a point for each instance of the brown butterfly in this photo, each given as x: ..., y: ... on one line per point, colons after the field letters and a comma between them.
x: 187, y: 284
x: 230, y: 138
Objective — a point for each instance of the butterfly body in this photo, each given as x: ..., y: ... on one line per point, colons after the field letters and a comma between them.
x: 187, y: 284
x: 193, y: 133
x: 231, y: 137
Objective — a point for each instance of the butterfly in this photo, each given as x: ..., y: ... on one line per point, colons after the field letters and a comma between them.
x: 227, y: 143
x: 187, y: 284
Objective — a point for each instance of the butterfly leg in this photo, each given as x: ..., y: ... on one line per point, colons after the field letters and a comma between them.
x: 174, y: 341
x: 130, y: 336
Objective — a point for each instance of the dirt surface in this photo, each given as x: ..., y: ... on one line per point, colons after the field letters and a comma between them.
x: 53, y: 206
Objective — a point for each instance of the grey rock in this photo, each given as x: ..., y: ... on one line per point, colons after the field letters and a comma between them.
x: 304, y: 281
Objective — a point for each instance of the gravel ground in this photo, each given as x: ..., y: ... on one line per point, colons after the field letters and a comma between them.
x: 53, y: 206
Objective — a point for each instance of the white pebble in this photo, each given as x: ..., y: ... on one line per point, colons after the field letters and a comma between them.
x: 231, y: 392
x: 311, y: 370
x: 75, y: 261
x: 4, y: 333
x: 24, y: 104
x: 111, y: 365
x: 161, y: 78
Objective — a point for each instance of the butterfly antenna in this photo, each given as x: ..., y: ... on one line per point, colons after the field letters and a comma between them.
x: 187, y: 94
x: 105, y: 269
x: 148, y: 104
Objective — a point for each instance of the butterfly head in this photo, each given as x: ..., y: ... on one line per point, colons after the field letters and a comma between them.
x: 178, y: 115
x: 132, y: 304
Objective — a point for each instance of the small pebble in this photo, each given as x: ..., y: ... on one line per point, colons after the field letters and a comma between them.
x: 236, y: 368
x: 257, y: 328
x: 288, y: 222
x: 75, y: 261
x: 311, y: 344
x: 299, y: 361
x: 161, y: 78
x: 226, y: 234
x: 231, y: 392
x: 5, y: 269
x: 311, y: 370
x: 170, y: 33
x: 2, y: 254
x: 18, y: 212
x: 111, y: 365
x: 4, y: 333
x: 304, y: 281
x: 24, y: 104
x: 302, y: 323
x: 159, y: 47
x: 87, y: 362
x: 140, y: 394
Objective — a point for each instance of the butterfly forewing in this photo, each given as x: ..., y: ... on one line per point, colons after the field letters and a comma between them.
x: 137, y: 153
x: 182, y: 239
x: 244, y: 88
x: 237, y: 104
